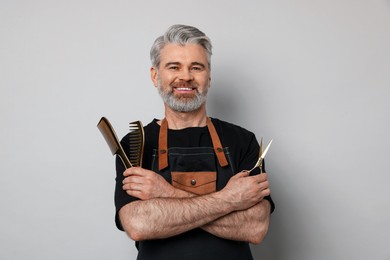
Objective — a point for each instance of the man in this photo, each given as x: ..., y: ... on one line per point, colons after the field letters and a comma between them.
x: 192, y: 198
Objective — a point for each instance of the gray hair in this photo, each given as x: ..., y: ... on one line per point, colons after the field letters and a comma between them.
x: 181, y: 35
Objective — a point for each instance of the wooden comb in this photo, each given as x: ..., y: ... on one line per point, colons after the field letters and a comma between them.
x: 109, y: 135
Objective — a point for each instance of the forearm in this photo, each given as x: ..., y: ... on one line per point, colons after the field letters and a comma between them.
x: 250, y: 225
x: 165, y: 217
x: 164, y: 211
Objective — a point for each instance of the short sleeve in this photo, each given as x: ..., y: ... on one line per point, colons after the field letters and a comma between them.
x: 121, y: 198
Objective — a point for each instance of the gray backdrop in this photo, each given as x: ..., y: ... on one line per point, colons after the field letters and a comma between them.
x: 311, y: 74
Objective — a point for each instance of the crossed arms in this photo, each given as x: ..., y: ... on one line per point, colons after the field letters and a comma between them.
x: 237, y: 212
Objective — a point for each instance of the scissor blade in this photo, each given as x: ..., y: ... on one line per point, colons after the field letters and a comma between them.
x: 261, y: 147
x: 266, y: 150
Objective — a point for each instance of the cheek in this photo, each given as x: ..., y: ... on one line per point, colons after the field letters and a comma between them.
x: 166, y: 79
x: 205, y: 82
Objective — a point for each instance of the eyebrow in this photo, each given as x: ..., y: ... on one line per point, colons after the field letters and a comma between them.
x: 171, y: 63
x: 178, y: 63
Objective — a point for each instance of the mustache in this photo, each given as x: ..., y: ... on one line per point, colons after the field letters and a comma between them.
x: 184, y: 85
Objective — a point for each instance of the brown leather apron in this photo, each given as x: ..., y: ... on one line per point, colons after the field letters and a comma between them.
x: 199, y: 170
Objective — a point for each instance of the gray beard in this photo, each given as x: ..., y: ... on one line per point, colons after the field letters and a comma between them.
x: 182, y: 104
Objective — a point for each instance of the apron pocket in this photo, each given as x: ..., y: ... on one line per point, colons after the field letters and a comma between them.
x: 199, y: 183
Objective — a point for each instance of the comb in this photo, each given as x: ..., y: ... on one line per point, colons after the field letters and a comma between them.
x: 109, y: 135
x: 137, y: 141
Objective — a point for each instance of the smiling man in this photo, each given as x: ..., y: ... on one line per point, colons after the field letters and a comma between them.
x: 182, y: 77
x: 192, y: 198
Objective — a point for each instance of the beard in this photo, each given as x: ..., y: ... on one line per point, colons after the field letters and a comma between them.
x: 183, y: 102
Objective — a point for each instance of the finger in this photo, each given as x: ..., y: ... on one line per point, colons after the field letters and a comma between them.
x: 241, y: 174
x: 126, y: 173
x: 266, y: 192
x: 129, y: 171
x: 136, y: 193
x: 260, y: 177
x: 132, y: 171
x: 132, y: 179
x: 264, y: 185
x: 132, y: 186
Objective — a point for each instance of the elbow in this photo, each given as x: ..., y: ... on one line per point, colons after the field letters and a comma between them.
x: 261, y: 228
x: 133, y: 225
x: 135, y: 235
x: 258, y: 234
x: 255, y: 240
x: 135, y: 230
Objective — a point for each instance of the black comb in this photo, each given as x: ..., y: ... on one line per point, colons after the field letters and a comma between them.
x: 137, y: 141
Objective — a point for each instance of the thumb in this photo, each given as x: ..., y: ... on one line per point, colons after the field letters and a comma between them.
x: 241, y: 174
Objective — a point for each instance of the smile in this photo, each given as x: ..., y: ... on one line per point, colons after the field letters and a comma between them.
x: 184, y: 89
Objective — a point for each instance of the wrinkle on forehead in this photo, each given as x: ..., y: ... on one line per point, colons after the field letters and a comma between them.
x: 186, y: 55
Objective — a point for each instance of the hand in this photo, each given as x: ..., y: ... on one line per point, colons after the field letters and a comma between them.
x: 145, y: 184
x: 244, y: 191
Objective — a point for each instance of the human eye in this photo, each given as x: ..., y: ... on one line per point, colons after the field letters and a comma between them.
x: 197, y: 68
x: 173, y: 67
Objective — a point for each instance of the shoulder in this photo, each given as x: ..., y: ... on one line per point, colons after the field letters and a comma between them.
x: 152, y: 127
x: 242, y: 144
x: 231, y: 130
x: 150, y: 130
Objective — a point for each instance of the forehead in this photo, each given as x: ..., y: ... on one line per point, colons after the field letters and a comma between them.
x: 184, y: 54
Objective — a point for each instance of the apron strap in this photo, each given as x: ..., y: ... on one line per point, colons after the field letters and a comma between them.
x: 163, y: 145
x: 216, y: 144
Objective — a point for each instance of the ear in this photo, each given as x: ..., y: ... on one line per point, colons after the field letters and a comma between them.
x: 154, y: 76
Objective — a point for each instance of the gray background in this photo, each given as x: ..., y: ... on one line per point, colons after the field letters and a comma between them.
x: 313, y: 75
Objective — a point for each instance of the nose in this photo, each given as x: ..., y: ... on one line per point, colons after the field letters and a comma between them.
x: 186, y: 75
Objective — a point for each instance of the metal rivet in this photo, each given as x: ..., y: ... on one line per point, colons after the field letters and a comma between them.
x: 193, y: 182
x: 219, y: 149
x: 163, y: 151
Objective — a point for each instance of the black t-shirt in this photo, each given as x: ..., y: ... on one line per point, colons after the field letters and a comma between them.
x: 195, y: 244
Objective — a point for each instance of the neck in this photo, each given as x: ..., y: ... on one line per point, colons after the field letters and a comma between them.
x: 179, y: 120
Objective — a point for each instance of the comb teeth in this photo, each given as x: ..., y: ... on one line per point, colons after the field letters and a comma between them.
x: 136, y: 143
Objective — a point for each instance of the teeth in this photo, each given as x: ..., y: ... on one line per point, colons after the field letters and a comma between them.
x: 184, y: 88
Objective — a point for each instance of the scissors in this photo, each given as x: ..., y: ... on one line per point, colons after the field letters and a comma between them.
x: 262, y: 154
